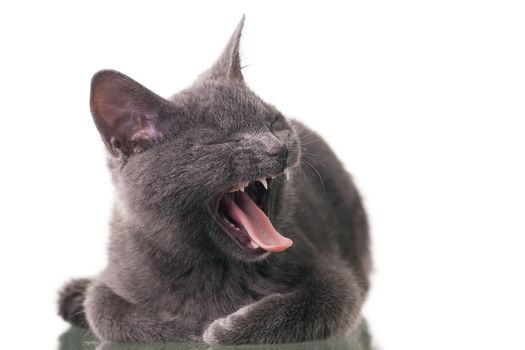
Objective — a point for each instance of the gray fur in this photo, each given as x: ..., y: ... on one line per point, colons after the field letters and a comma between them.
x: 173, y: 274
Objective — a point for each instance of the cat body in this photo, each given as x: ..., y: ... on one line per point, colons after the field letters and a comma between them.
x: 191, y: 255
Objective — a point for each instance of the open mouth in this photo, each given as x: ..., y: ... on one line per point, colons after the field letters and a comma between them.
x: 242, y: 212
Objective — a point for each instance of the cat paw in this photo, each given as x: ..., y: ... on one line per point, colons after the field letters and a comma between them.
x: 227, y: 330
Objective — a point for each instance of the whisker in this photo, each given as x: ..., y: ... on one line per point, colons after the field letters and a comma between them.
x: 310, y: 132
x: 311, y: 142
x: 317, y: 172
x: 317, y: 161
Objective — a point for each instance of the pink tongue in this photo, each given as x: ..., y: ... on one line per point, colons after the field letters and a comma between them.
x: 256, y: 223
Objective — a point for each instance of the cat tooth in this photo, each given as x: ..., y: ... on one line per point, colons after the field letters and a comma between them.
x: 287, y: 173
x: 241, y: 187
x: 254, y: 245
x: 264, y: 183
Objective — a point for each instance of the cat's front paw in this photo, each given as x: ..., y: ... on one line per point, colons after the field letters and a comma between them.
x: 228, y: 330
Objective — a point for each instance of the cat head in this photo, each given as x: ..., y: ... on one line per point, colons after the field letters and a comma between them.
x: 208, y: 162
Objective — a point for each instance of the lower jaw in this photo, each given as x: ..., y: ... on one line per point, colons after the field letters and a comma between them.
x: 245, y: 244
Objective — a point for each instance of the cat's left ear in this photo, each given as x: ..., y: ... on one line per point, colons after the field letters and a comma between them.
x: 128, y: 116
x: 228, y: 65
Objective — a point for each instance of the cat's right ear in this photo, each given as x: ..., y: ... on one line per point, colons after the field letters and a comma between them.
x: 228, y: 65
x: 128, y: 116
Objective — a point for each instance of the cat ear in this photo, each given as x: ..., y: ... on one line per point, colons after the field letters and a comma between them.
x: 228, y: 66
x: 127, y: 115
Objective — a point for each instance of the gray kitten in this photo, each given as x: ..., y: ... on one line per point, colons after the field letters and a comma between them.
x: 232, y: 224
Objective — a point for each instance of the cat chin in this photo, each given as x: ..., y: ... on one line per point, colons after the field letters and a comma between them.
x: 233, y: 250
x: 242, y: 256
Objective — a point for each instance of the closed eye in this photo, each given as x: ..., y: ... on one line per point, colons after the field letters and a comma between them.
x: 221, y: 142
x: 275, y: 120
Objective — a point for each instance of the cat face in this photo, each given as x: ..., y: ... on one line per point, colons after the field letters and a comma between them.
x: 208, y: 163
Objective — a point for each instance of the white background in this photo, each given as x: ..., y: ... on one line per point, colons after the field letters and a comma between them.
x: 423, y: 101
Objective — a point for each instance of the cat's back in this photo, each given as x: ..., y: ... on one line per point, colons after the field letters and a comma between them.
x: 329, y: 209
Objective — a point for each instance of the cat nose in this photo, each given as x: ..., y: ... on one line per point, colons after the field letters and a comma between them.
x: 278, y: 150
